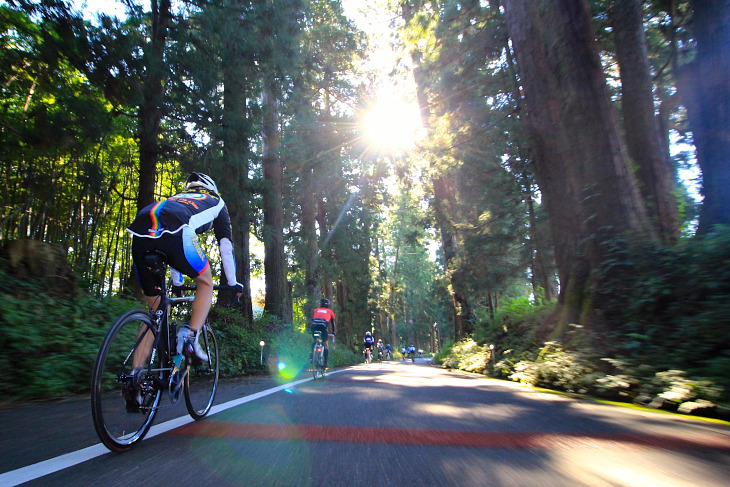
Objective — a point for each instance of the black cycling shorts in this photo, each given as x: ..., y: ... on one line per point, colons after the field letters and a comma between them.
x: 183, y: 251
x: 320, y: 328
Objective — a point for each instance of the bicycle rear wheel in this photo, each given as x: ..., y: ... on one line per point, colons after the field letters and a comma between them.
x: 118, y: 424
x: 317, y: 365
x: 201, y: 381
x: 315, y: 362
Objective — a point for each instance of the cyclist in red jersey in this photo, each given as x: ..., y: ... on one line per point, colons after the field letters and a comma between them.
x: 321, y: 320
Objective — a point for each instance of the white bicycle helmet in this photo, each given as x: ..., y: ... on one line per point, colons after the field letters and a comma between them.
x: 200, y: 180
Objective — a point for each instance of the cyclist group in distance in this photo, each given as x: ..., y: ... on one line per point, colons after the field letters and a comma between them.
x: 383, y: 350
x: 410, y: 352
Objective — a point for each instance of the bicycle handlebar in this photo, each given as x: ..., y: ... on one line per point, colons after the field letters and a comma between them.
x: 221, y: 287
x: 184, y: 299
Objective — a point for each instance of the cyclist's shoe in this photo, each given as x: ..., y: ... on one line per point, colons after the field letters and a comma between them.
x: 182, y: 335
x: 131, y: 391
x: 193, y: 349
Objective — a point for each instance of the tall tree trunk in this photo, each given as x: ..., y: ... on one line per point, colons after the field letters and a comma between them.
x: 645, y: 144
x: 344, y: 318
x: 443, y: 192
x: 273, y: 231
x: 705, y: 91
x: 540, y: 278
x: 150, y: 111
x: 580, y: 159
x: 308, y: 205
x: 236, y: 130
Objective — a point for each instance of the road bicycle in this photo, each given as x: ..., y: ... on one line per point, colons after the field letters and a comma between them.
x: 165, y: 369
x: 380, y: 354
x: 368, y: 356
x: 318, y: 369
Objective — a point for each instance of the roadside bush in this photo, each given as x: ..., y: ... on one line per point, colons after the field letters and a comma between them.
x: 238, y: 343
x: 555, y: 368
x: 675, y: 386
x: 674, y: 307
x: 467, y: 355
x: 516, y: 329
x: 340, y: 356
x: 440, y: 358
x: 48, y: 343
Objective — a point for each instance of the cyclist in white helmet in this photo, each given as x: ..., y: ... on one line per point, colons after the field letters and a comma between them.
x: 369, y: 341
x: 172, y: 226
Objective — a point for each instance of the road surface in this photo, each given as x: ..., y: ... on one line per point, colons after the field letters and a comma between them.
x: 396, y: 423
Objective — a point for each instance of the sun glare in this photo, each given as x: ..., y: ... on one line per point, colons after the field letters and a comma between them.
x: 393, y: 123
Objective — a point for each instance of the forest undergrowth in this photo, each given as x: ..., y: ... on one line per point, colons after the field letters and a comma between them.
x: 50, y: 336
x: 666, y: 343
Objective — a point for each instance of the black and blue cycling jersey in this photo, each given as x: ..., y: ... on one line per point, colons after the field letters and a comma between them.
x: 197, y: 210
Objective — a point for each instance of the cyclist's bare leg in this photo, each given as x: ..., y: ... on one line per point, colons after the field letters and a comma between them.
x: 203, y: 299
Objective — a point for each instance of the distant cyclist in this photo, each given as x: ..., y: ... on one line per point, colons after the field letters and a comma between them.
x: 381, y: 349
x: 388, y: 351
x: 369, y: 342
x: 321, y: 320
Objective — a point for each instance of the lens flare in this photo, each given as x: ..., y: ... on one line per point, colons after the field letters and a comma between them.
x: 290, y: 368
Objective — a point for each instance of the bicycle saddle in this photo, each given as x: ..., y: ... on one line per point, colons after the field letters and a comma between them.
x: 155, y: 259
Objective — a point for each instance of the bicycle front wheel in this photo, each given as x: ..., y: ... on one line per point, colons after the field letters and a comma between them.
x: 119, y: 421
x: 201, y: 382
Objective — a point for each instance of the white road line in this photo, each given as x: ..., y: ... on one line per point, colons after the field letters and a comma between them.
x: 46, y: 467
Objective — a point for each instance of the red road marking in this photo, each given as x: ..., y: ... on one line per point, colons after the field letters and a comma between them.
x: 472, y: 439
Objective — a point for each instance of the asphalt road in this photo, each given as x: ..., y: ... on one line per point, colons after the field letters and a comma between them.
x: 383, y: 424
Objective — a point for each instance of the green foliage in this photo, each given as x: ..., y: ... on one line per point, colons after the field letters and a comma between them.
x: 466, y: 355
x: 674, y: 304
x: 555, y: 368
x: 674, y: 385
x: 649, y: 357
x: 238, y: 343
x: 441, y: 357
x: 49, y: 342
x: 341, y: 356
x: 517, y: 327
